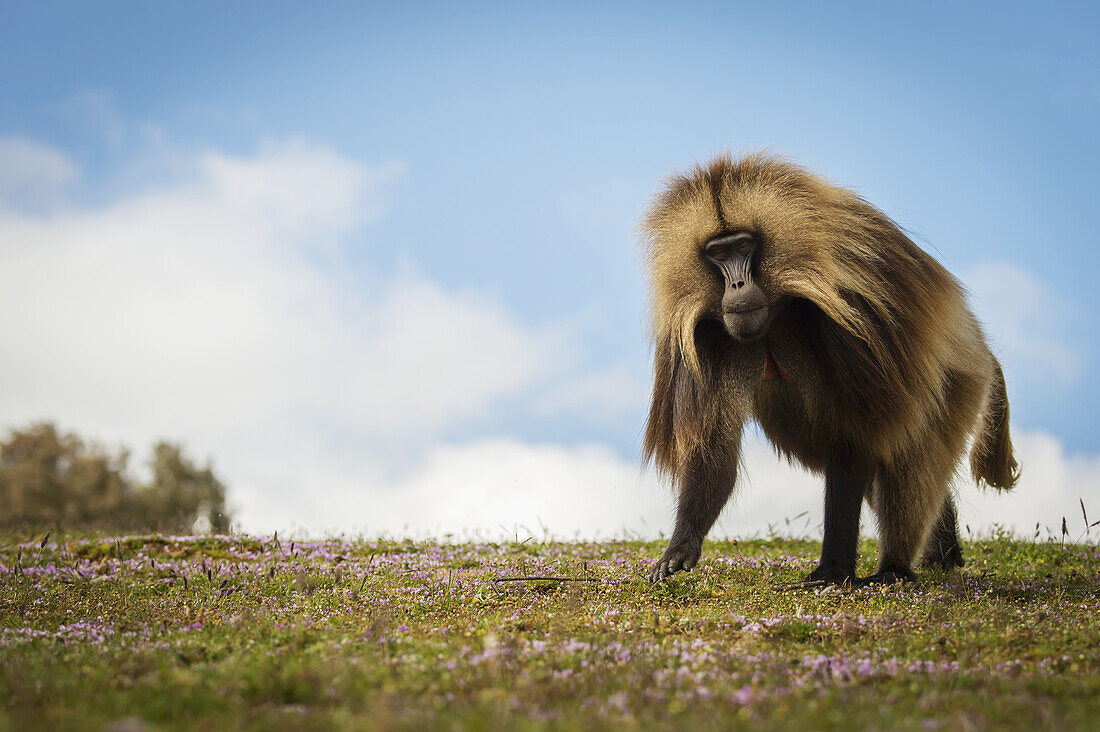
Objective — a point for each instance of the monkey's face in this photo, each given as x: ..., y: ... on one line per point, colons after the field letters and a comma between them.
x: 745, y: 309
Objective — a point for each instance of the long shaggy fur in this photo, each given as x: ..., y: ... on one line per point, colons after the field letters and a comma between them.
x: 885, y: 356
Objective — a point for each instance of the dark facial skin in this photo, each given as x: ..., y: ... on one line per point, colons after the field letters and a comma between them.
x: 745, y: 307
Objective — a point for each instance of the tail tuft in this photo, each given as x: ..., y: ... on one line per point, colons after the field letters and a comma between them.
x: 991, y: 459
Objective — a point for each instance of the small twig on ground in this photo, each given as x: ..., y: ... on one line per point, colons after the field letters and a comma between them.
x: 803, y: 586
x: 551, y: 579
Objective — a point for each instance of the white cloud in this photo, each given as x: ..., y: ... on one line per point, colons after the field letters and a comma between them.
x: 294, y: 189
x: 503, y: 487
x: 1026, y: 322
x: 31, y: 174
x: 197, y: 310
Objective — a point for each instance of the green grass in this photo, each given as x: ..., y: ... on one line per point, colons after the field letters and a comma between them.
x: 247, y: 632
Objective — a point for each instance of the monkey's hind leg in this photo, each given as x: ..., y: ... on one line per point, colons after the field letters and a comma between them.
x: 943, y: 549
x: 908, y: 499
x: 847, y: 478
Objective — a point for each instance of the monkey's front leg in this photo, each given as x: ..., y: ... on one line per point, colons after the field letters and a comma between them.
x: 847, y: 477
x: 705, y: 486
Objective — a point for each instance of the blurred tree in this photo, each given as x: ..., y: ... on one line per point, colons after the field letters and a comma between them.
x: 50, y: 479
x: 183, y: 492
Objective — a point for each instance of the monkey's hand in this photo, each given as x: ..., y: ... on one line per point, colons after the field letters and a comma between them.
x: 680, y: 556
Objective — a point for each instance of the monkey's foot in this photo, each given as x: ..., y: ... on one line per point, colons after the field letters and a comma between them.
x: 678, y: 558
x: 886, y: 577
x: 830, y: 574
x: 825, y: 575
x: 943, y: 557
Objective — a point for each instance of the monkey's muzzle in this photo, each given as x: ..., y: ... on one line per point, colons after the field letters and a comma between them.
x: 746, y: 325
x: 745, y: 312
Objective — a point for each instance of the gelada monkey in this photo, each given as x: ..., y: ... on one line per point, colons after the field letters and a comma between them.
x: 780, y: 298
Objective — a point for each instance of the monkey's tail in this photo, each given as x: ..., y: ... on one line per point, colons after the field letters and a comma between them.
x: 991, y: 459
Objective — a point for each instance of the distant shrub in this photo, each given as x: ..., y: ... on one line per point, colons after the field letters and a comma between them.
x: 54, y: 479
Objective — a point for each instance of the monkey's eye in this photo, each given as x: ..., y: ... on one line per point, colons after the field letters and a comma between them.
x: 718, y: 252
x: 741, y: 243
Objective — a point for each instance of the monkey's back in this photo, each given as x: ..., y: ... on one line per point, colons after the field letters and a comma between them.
x: 808, y: 414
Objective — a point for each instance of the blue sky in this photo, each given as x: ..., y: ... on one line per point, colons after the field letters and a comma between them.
x: 498, y: 156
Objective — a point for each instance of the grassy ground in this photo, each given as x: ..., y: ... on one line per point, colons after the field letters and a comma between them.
x: 238, y: 631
